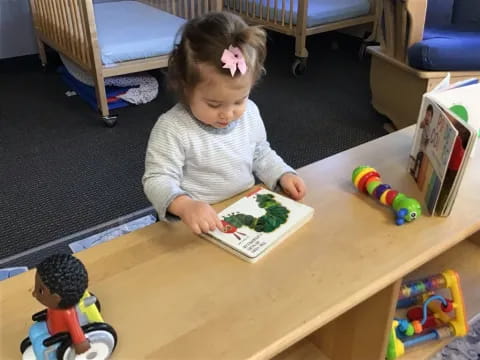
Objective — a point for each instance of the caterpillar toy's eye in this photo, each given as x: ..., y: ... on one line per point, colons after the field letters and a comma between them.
x: 413, y: 215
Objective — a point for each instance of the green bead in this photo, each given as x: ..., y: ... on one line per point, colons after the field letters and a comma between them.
x: 410, y: 330
x: 372, y: 185
x: 357, y: 171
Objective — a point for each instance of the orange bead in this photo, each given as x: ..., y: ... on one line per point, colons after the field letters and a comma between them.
x: 417, y: 326
x: 364, y: 180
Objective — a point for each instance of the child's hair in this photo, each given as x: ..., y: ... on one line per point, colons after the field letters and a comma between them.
x: 65, y: 275
x: 203, y: 41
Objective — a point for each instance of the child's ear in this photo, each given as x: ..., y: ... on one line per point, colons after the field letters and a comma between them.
x: 186, y: 92
x: 57, y: 298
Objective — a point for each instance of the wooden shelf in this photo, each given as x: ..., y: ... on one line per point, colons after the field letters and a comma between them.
x: 465, y: 259
x: 303, y: 350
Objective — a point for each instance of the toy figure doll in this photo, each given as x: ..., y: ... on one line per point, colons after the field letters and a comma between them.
x: 60, y: 282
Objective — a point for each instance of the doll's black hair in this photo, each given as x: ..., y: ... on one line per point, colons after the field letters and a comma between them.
x: 66, y: 276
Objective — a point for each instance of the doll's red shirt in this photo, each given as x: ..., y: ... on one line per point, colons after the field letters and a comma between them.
x: 65, y: 320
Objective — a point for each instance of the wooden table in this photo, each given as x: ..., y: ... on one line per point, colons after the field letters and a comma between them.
x: 329, y: 290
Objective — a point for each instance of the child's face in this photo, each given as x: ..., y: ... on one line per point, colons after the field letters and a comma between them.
x: 219, y: 99
x: 43, y: 294
x: 428, y: 116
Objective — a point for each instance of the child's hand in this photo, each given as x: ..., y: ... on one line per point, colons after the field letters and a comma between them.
x: 198, y: 215
x: 293, y: 186
x: 82, y: 347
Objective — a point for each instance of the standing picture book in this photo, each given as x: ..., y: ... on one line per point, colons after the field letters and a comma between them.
x: 445, y: 137
x: 257, y: 222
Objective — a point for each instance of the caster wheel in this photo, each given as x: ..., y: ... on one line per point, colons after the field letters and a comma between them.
x: 110, y: 121
x: 299, y: 66
x: 362, y: 51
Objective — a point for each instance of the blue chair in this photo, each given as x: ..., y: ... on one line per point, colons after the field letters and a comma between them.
x: 451, y: 38
x: 421, y: 41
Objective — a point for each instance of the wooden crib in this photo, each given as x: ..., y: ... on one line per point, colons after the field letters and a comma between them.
x: 69, y: 27
x: 292, y: 18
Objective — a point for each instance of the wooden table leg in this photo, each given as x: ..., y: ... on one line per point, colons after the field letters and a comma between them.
x: 475, y: 238
x: 362, y: 332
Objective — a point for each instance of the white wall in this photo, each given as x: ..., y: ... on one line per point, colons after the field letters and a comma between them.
x: 16, y: 30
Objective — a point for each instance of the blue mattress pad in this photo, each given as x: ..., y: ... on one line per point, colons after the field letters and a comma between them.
x: 130, y: 30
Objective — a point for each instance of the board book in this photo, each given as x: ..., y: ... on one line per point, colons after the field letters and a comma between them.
x: 445, y: 136
x: 258, y: 222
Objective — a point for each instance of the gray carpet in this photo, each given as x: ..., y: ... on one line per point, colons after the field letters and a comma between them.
x: 466, y: 348
x: 64, y: 172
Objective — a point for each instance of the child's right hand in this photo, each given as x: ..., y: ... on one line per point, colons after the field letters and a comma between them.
x: 198, y: 215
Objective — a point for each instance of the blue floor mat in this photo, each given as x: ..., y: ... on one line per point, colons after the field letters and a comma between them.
x: 6, y: 273
x: 111, y: 233
x: 87, y: 92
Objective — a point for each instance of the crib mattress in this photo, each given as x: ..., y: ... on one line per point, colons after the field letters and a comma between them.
x: 319, y: 11
x: 326, y: 11
x: 130, y: 30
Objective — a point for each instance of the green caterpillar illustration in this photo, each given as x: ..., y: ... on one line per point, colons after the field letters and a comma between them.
x: 276, y: 214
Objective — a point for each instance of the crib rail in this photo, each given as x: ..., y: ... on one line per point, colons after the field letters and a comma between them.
x: 272, y: 13
x: 187, y: 9
x: 63, y: 25
x: 290, y: 17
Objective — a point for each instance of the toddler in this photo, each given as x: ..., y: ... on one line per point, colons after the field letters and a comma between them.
x: 208, y: 146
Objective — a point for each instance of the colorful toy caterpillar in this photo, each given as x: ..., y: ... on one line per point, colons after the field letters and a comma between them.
x: 367, y: 179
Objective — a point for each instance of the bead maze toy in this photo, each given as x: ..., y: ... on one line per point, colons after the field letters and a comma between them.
x: 366, y: 179
x: 431, y: 315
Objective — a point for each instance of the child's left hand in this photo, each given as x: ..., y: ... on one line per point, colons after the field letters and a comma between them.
x: 293, y: 186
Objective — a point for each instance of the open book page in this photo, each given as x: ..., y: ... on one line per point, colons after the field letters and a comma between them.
x: 419, y: 137
x: 258, y: 221
x: 464, y: 101
x: 457, y: 165
x: 442, y: 85
x: 433, y: 144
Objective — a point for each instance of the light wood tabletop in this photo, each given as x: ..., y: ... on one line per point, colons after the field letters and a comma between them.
x: 173, y: 295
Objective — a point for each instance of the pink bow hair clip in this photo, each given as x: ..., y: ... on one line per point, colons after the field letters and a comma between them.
x: 233, y: 59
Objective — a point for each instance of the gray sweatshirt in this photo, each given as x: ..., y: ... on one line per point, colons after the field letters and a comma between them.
x: 185, y: 156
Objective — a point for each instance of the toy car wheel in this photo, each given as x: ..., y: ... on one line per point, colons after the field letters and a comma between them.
x: 28, y: 353
x: 97, y: 302
x: 25, y: 344
x: 102, y: 343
